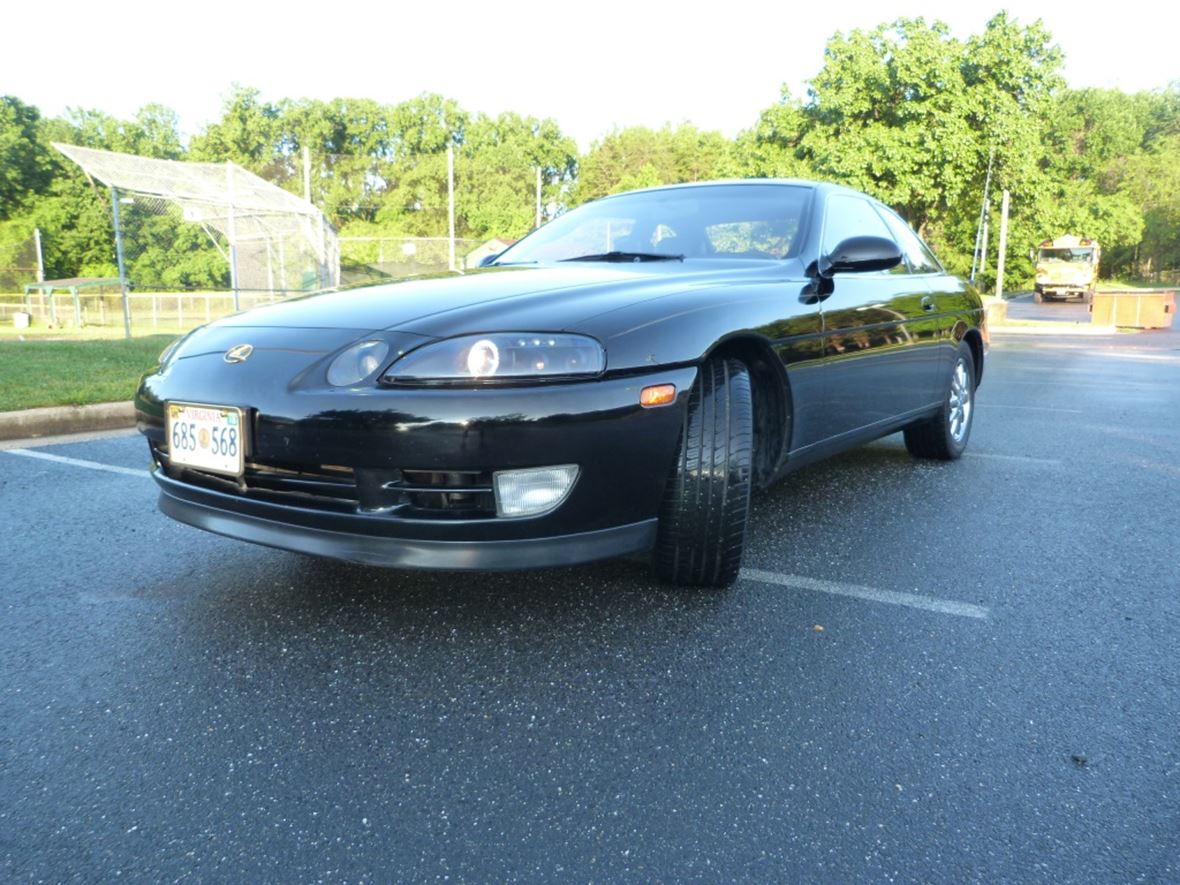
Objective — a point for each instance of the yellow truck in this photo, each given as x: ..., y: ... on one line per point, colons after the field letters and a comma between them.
x: 1066, y: 266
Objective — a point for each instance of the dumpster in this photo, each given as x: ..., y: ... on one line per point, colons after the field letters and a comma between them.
x: 1134, y: 308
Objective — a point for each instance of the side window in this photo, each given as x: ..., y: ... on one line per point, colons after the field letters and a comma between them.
x: 919, y: 256
x: 850, y: 216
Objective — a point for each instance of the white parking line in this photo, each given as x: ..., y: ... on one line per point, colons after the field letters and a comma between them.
x: 76, y: 462
x: 912, y: 600
x: 1024, y: 459
x: 1031, y: 408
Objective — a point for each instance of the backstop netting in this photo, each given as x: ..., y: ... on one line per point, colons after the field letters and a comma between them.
x: 270, y: 240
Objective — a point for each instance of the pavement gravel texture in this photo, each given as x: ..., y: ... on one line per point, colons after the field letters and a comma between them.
x: 176, y: 705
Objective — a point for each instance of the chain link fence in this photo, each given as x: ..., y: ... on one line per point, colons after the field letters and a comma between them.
x: 196, y: 241
x: 18, y: 264
x: 192, y: 242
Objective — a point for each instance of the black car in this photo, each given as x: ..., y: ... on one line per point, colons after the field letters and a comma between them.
x: 616, y: 382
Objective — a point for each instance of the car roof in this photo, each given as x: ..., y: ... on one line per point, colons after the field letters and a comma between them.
x: 819, y: 186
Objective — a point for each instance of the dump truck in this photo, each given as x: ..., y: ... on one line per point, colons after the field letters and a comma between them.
x: 1066, y: 266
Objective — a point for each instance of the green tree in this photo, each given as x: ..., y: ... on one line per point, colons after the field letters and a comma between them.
x: 496, y: 173
x: 1151, y: 180
x: 25, y: 165
x: 910, y: 114
x: 415, y: 194
x: 773, y: 147
x: 642, y: 157
x: 249, y: 133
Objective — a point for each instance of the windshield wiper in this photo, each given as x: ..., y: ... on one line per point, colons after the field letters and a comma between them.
x: 625, y: 256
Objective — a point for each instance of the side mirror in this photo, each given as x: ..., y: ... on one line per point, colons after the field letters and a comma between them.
x: 860, y: 255
x: 488, y: 260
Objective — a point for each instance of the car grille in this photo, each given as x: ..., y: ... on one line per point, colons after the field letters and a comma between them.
x: 406, y: 494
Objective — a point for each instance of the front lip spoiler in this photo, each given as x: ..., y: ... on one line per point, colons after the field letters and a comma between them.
x: 415, y: 553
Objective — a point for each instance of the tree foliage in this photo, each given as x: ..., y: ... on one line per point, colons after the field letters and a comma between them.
x: 25, y: 167
x: 905, y: 111
x: 921, y: 120
x: 640, y: 157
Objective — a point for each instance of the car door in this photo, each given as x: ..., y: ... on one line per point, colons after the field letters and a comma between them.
x: 880, y: 350
x: 948, y: 299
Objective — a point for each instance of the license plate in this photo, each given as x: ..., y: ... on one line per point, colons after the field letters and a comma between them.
x: 207, y: 437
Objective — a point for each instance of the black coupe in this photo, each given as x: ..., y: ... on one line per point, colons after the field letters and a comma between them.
x: 616, y: 382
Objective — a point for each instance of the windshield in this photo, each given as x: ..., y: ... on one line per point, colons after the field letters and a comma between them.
x: 708, y: 222
x: 1080, y: 255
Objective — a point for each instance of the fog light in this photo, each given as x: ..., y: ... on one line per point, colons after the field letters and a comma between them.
x: 533, y: 491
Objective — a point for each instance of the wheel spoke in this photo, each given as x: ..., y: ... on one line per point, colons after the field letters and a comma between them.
x: 959, y: 403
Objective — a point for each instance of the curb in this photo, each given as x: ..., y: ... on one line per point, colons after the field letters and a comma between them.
x: 1050, y: 328
x: 58, y: 420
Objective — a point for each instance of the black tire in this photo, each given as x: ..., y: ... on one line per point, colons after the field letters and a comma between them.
x: 707, y: 500
x: 944, y: 435
x: 1038, y: 296
x: 1087, y: 297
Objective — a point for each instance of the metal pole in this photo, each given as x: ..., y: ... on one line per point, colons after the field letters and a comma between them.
x: 983, y: 209
x: 119, y: 262
x: 282, y: 267
x: 538, y: 224
x: 324, y: 270
x: 307, y: 173
x: 1003, y: 246
x: 40, y: 258
x: 451, y: 204
x: 232, y: 236
x: 983, y: 251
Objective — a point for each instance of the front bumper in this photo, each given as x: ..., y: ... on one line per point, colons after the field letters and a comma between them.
x: 221, y: 514
x: 379, y: 440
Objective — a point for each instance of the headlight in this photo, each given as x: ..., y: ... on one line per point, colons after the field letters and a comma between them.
x: 357, y: 363
x: 516, y: 356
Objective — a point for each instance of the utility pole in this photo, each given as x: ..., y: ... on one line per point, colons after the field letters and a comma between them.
x: 232, y: 236
x: 307, y: 173
x: 1003, y: 246
x: 119, y: 262
x: 983, y: 251
x: 40, y: 257
x: 451, y: 202
x: 978, y: 257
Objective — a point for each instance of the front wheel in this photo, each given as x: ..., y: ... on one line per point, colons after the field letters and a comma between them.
x: 1038, y: 296
x: 943, y: 436
x: 707, y: 498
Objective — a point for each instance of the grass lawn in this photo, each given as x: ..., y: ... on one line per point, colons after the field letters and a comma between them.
x: 66, y: 373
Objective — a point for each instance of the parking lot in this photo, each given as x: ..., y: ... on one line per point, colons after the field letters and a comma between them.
x: 928, y: 672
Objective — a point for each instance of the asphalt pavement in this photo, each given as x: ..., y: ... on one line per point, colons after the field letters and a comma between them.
x: 928, y: 672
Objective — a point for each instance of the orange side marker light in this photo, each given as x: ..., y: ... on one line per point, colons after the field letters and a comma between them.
x: 657, y: 395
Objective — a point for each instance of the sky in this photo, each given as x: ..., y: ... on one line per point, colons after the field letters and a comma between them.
x: 591, y: 67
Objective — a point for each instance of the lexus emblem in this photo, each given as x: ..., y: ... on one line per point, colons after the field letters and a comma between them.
x: 239, y: 353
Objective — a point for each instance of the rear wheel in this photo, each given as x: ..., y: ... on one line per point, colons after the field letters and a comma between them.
x: 707, y: 499
x: 944, y: 435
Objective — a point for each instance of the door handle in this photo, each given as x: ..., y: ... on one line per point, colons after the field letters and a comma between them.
x: 927, y: 303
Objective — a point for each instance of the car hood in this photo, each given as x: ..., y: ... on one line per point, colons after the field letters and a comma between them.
x: 549, y: 298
